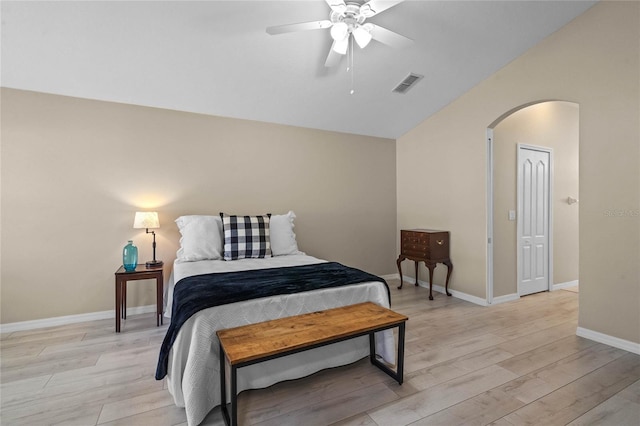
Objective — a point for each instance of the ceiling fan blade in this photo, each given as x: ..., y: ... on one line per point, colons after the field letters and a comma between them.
x: 337, y: 5
x: 389, y: 37
x: 373, y: 7
x: 289, y: 28
x: 333, y: 58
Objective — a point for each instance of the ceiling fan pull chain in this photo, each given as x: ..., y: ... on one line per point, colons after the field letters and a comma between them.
x: 351, y: 64
x: 349, y: 53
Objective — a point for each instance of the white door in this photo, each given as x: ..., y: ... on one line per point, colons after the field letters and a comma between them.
x: 533, y: 219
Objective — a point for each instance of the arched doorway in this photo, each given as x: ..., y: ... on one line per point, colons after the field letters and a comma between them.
x: 553, y: 126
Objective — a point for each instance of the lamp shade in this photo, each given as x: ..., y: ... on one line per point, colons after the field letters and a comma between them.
x: 362, y: 36
x: 339, y: 31
x: 341, y: 46
x: 147, y: 220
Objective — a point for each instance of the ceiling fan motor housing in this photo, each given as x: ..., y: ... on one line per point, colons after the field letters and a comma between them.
x: 351, y: 15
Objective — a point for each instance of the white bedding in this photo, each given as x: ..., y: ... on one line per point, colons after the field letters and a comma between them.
x: 193, y: 368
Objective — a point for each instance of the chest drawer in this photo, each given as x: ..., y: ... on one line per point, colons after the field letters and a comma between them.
x: 424, y: 244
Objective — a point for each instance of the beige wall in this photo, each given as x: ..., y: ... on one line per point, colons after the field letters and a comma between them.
x: 74, y: 172
x: 593, y: 61
x: 553, y: 125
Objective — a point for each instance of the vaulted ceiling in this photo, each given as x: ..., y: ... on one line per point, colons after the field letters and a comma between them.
x: 216, y: 58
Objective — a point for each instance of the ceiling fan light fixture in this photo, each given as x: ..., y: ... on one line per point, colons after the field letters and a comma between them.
x: 362, y: 36
x: 341, y: 46
x: 339, y: 31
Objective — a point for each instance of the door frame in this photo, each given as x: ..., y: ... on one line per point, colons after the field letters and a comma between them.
x: 490, y: 215
x: 520, y: 148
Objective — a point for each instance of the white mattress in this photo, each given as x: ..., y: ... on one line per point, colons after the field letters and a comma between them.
x: 193, y: 368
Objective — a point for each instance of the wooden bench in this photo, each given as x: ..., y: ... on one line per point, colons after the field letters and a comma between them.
x: 254, y: 343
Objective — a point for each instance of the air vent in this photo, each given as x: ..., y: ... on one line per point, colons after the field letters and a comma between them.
x: 407, y: 83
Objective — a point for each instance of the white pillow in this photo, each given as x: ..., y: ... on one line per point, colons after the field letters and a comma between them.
x: 283, y: 239
x: 201, y: 238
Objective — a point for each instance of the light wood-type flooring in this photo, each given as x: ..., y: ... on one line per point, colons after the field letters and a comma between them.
x: 510, y: 364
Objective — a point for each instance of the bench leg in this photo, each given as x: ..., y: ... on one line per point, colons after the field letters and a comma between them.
x: 234, y: 396
x: 398, y: 375
x: 230, y: 418
x: 400, y: 360
x: 223, y: 387
x: 372, y: 348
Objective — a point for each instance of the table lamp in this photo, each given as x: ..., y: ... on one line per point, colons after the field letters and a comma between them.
x: 149, y: 220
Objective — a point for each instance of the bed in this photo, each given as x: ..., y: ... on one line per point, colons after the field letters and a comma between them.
x: 192, y: 363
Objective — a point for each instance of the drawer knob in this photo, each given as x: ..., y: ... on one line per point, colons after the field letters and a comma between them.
x: 440, y: 242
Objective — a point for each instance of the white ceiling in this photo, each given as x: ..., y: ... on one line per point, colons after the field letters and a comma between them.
x: 216, y: 58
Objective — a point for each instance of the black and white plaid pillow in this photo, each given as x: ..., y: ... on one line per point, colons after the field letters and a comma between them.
x: 246, y: 236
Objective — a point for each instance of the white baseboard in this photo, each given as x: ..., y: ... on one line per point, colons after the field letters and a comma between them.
x: 390, y: 277
x: 515, y: 296
x: 616, y: 342
x: 71, y: 319
x: 568, y: 284
x: 506, y: 298
x: 440, y: 289
x: 458, y: 294
x: 474, y: 299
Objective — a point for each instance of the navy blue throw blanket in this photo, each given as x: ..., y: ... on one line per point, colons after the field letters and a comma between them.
x: 198, y: 292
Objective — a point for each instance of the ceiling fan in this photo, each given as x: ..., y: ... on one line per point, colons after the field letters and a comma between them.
x: 347, y: 19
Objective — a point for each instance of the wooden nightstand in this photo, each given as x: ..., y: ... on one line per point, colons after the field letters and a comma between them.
x: 141, y: 273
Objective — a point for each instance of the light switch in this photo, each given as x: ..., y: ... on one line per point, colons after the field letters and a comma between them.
x: 512, y: 215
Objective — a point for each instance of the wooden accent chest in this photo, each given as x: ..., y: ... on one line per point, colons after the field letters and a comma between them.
x: 425, y: 245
